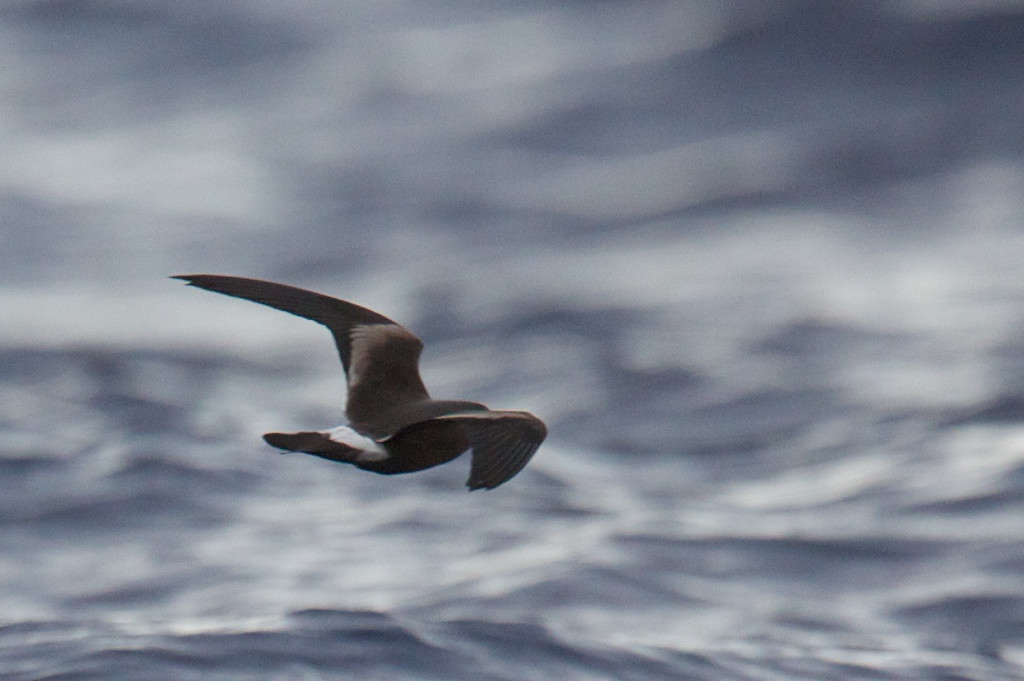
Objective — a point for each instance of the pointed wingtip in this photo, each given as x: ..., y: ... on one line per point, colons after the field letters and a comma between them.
x: 199, y: 280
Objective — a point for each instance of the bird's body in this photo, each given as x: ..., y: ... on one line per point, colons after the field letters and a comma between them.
x: 394, y: 425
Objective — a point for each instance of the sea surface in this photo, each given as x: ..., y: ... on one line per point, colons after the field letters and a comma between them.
x: 759, y: 265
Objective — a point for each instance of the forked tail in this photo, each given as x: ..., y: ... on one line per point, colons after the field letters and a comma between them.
x: 313, y: 442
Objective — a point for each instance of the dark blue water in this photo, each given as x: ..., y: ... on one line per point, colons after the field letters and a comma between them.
x: 757, y: 264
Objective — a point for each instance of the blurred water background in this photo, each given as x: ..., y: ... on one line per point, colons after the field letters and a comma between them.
x: 756, y: 263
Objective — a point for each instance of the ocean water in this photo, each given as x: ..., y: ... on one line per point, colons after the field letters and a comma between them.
x: 756, y: 264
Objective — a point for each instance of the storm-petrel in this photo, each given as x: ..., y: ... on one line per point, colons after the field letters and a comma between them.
x: 394, y: 425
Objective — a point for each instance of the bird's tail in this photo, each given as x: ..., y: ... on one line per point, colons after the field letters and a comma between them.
x: 314, y: 442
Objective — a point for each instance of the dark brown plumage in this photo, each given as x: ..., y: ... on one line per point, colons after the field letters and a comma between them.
x: 395, y: 427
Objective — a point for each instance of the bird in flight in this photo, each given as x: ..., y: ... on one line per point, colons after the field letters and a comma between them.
x: 394, y: 425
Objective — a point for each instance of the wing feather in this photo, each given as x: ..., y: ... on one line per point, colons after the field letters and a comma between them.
x: 503, y: 442
x: 340, y: 316
x: 380, y: 357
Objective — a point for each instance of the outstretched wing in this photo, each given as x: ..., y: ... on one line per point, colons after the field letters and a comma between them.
x: 380, y: 357
x: 503, y: 442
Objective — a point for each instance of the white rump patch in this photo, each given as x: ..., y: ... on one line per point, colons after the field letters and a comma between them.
x: 369, y: 449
